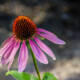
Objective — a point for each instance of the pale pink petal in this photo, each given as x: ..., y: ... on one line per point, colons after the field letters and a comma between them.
x: 13, y: 53
x: 38, y: 53
x: 6, y: 46
x: 15, y: 49
x: 50, y: 36
x: 23, y: 57
x: 6, y: 55
x: 45, y: 48
x: 10, y: 63
x: 7, y: 40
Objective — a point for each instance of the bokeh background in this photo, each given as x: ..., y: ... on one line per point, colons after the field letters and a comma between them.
x: 61, y: 17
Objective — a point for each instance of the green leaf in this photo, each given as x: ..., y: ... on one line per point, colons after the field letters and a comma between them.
x: 49, y: 76
x: 42, y: 38
x: 21, y: 76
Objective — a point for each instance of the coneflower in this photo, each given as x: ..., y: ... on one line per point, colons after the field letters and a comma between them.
x: 24, y: 30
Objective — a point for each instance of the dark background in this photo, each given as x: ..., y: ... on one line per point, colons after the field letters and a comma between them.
x: 61, y: 17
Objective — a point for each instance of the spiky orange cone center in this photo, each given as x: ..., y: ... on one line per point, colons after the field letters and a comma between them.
x: 23, y: 28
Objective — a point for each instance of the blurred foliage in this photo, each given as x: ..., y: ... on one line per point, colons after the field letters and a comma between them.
x: 27, y: 76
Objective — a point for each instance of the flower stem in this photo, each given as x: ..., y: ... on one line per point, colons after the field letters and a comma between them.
x: 35, y: 62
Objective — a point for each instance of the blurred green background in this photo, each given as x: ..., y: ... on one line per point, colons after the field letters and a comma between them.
x: 61, y: 17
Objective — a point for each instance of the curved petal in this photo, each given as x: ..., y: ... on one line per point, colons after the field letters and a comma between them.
x: 15, y: 49
x: 7, y: 40
x: 13, y: 53
x: 10, y: 63
x: 23, y: 57
x: 38, y: 53
x: 50, y: 36
x: 6, y: 46
x: 6, y: 55
x: 45, y: 48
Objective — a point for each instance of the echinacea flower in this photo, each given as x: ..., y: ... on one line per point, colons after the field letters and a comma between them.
x: 24, y: 29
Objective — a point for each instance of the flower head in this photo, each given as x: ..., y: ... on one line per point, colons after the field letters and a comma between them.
x: 25, y: 29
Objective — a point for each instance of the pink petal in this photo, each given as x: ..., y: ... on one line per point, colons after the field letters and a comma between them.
x: 38, y: 53
x: 13, y: 53
x: 45, y: 48
x: 15, y: 49
x: 23, y: 57
x: 10, y: 63
x: 6, y: 55
x: 8, y: 51
x: 6, y: 46
x: 50, y: 36
x: 7, y: 40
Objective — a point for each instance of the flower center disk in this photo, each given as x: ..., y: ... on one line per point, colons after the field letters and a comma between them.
x: 23, y: 28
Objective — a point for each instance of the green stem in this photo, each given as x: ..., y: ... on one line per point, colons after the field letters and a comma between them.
x: 35, y: 62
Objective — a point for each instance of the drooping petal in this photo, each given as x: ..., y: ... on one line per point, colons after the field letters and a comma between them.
x: 50, y: 36
x: 6, y: 46
x: 13, y: 53
x: 6, y: 55
x: 15, y: 49
x: 7, y: 40
x: 45, y: 48
x: 10, y: 63
x: 38, y: 53
x: 23, y: 57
